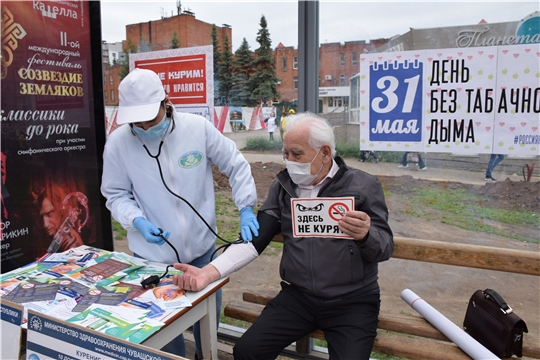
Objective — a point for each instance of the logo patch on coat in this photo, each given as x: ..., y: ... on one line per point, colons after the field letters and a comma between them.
x: 190, y: 159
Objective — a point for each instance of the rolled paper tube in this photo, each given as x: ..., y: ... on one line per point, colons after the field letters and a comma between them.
x: 465, y: 342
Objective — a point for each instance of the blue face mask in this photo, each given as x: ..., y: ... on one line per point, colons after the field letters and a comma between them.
x: 155, y: 131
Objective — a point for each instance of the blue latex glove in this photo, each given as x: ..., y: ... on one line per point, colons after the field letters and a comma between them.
x: 248, y: 224
x: 150, y: 231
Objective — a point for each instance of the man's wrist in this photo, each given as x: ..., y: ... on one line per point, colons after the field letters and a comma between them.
x: 212, y: 274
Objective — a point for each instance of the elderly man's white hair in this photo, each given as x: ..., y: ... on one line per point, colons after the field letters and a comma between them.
x: 320, y: 131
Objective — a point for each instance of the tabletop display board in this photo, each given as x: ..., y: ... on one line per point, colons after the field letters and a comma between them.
x: 187, y: 75
x: 53, y: 130
x: 54, y: 339
x: 466, y: 100
x: 12, y: 316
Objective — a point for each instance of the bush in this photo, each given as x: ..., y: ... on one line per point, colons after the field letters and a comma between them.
x: 347, y: 150
x: 259, y: 143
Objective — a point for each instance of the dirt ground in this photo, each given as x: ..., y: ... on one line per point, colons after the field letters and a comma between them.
x: 446, y: 288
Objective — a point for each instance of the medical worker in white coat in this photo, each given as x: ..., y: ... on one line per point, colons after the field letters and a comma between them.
x: 160, y: 146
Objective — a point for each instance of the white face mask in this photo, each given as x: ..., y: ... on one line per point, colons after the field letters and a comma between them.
x: 300, y: 173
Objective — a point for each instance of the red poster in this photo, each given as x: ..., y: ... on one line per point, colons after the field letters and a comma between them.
x: 183, y: 77
x: 52, y: 130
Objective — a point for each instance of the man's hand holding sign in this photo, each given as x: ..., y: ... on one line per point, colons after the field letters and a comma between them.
x: 328, y: 217
x: 356, y: 224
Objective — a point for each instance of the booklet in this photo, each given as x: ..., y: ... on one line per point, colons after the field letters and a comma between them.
x: 167, y: 296
x: 106, y: 269
x: 115, y: 321
x: 103, y: 295
x: 80, y: 254
x: 144, y: 330
x: 29, y: 291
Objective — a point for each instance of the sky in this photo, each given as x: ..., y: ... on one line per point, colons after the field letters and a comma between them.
x: 339, y: 21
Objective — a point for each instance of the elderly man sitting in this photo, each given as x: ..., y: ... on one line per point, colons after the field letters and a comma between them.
x: 329, y: 283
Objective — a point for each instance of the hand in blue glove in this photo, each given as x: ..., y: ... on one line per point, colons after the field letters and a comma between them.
x: 150, y: 231
x: 248, y: 224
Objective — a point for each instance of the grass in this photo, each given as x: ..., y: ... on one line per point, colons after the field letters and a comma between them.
x: 227, y: 218
x: 463, y: 209
x: 259, y: 143
x: 119, y: 232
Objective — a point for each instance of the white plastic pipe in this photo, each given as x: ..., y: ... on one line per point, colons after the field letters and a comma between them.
x: 465, y: 342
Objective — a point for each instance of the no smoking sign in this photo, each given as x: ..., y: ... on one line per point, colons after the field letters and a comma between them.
x: 320, y: 216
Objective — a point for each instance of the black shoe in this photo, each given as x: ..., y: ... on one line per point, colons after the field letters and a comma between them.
x: 490, y: 179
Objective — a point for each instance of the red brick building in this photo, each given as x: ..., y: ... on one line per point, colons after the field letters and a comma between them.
x: 111, y: 80
x: 189, y: 31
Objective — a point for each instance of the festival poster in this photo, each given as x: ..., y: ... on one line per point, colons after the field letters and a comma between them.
x: 52, y: 130
x: 187, y: 76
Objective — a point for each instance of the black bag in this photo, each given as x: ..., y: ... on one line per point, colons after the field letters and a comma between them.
x: 493, y: 324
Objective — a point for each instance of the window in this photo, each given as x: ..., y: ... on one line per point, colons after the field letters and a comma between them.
x: 112, y: 95
x: 342, y: 80
x: 283, y: 64
x: 354, y: 58
x: 295, y: 83
x: 342, y: 59
x: 295, y: 62
x: 111, y: 79
x: 105, y: 93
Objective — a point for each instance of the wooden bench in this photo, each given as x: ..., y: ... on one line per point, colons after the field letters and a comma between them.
x: 413, y: 337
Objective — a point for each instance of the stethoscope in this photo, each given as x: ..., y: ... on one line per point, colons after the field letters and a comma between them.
x: 227, y: 242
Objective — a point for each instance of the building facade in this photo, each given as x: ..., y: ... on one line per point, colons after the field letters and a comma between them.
x: 190, y: 32
x: 112, y: 53
x: 111, y: 81
x: 337, y: 63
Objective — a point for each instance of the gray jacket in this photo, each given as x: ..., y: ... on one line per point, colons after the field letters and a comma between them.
x: 327, y: 267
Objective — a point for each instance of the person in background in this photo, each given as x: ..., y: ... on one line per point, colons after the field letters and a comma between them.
x: 494, y: 160
x: 271, y: 125
x: 328, y: 283
x: 405, y: 163
x: 162, y: 152
x: 283, y: 125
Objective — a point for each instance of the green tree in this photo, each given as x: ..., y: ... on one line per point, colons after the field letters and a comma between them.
x: 264, y: 80
x: 225, y: 72
x: 241, y: 71
x: 175, y: 42
x: 216, y: 52
x: 130, y: 49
